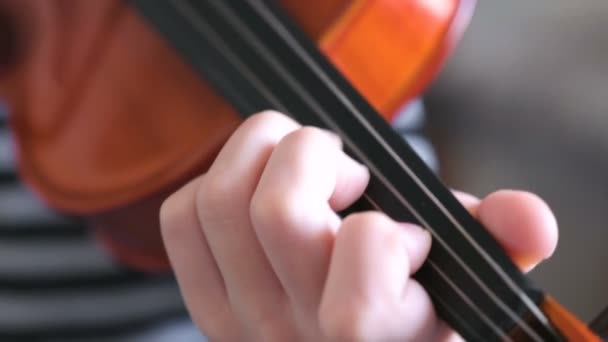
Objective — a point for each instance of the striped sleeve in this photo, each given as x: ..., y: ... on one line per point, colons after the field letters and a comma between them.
x: 410, y: 123
x: 57, y: 284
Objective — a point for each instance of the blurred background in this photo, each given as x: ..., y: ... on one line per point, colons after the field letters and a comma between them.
x: 523, y: 103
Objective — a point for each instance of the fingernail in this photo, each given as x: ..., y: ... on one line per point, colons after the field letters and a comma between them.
x: 417, y: 238
x: 355, y: 163
x: 334, y: 136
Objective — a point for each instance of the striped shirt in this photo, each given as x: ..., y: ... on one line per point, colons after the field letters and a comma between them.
x: 57, y: 284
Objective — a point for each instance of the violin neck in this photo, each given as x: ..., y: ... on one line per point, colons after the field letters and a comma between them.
x: 257, y: 59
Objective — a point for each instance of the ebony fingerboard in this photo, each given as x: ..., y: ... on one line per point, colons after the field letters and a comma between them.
x: 257, y: 59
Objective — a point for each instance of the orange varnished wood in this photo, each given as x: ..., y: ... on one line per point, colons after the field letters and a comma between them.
x: 107, y: 116
x: 105, y: 113
x: 316, y: 17
x: 566, y: 323
x: 389, y: 50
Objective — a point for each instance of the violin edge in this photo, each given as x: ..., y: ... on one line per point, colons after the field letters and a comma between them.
x: 566, y: 323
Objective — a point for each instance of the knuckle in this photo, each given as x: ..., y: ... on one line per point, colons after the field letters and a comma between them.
x: 270, y: 208
x: 171, y: 216
x: 214, y: 194
x: 373, y: 229
x: 265, y: 118
x: 168, y: 212
x: 361, y: 223
x: 306, y: 136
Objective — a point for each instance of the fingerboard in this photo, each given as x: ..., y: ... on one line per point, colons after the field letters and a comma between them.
x: 258, y: 59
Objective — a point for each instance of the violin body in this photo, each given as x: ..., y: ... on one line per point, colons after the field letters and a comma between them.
x: 108, y: 119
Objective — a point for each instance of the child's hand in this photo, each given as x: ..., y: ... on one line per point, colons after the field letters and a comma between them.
x: 260, y: 254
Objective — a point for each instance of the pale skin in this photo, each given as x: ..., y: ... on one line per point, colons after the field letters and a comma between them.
x: 261, y: 255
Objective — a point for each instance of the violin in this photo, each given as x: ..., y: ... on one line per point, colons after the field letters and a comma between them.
x: 111, y: 118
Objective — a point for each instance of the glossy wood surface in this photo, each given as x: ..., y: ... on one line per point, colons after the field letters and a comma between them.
x: 105, y: 113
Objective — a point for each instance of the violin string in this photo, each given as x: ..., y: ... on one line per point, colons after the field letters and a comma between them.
x: 188, y: 12
x: 201, y: 26
x: 503, y: 336
x: 273, y: 22
x: 472, y: 334
x: 230, y: 16
x: 458, y: 291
